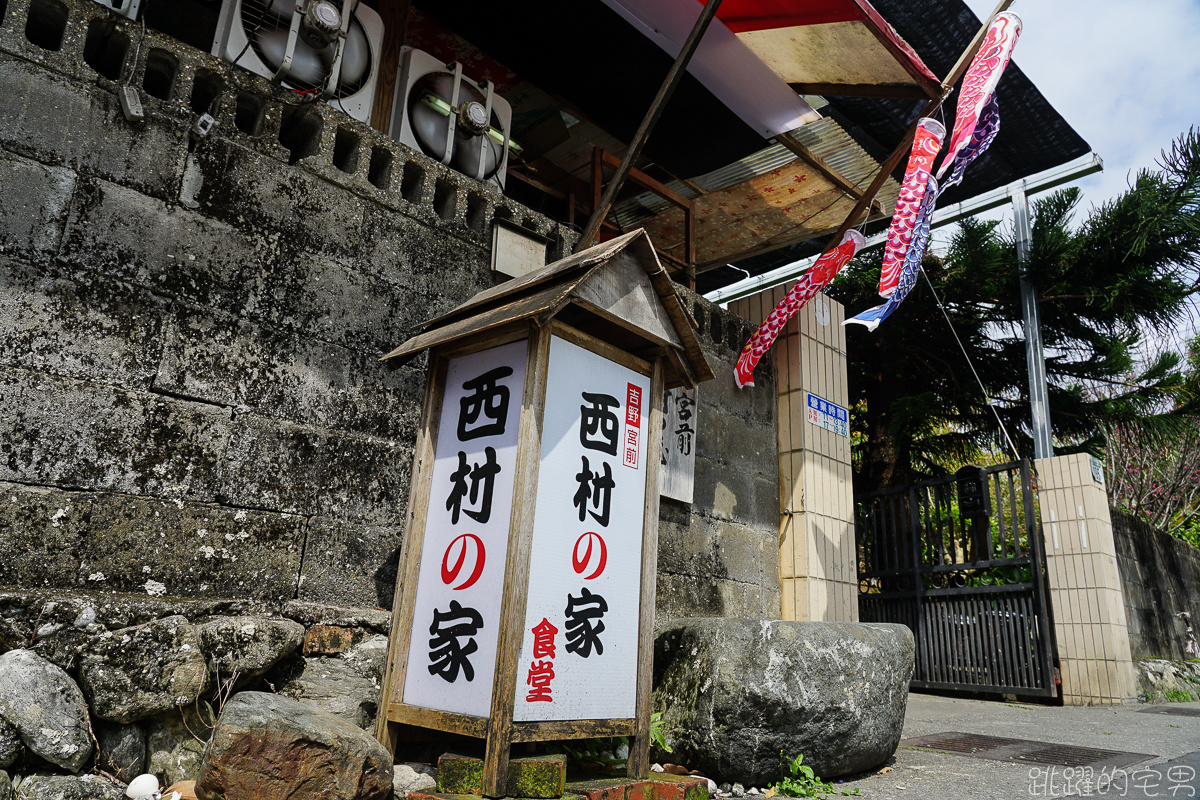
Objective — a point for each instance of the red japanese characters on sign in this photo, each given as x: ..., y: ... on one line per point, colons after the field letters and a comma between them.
x: 541, y: 670
x: 633, y: 406
x: 633, y: 426
x: 468, y: 544
x: 582, y: 561
x: 585, y: 560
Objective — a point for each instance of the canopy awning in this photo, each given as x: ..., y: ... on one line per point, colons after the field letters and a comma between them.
x: 835, y: 47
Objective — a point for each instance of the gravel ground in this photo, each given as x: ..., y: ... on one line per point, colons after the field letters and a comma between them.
x: 1172, y: 740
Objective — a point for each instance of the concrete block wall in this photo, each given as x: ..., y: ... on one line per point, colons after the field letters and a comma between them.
x: 719, y: 555
x: 818, y: 557
x: 190, y: 402
x: 1160, y: 577
x: 1086, y: 594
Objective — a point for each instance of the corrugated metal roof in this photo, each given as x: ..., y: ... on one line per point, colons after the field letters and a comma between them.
x: 825, y: 138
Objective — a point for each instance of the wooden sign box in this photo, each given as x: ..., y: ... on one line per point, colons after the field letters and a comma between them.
x: 535, y: 483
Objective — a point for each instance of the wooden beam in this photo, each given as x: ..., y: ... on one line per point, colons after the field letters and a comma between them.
x: 893, y: 160
x: 536, y: 184
x: 904, y: 91
x: 597, y: 187
x: 899, y: 51
x: 646, y: 182
x: 648, y: 122
x: 395, y: 32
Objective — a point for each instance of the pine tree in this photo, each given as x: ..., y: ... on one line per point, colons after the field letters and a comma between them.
x: 1124, y: 274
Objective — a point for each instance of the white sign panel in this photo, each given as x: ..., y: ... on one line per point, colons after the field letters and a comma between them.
x: 579, y: 653
x: 828, y: 415
x: 678, y: 473
x: 456, y: 616
x: 516, y: 252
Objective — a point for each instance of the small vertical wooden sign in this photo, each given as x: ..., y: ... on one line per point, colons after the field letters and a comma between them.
x: 680, y: 428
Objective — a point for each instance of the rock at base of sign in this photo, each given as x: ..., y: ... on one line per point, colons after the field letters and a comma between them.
x: 326, y: 758
x: 44, y: 786
x: 737, y: 693
x: 406, y: 779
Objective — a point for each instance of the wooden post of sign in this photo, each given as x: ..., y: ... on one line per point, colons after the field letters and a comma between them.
x: 414, y: 537
x: 516, y: 572
x: 638, y: 764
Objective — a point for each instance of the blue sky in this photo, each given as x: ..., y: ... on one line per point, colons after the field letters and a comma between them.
x: 1125, y: 75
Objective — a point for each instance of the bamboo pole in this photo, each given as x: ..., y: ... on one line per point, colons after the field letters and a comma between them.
x: 587, y: 239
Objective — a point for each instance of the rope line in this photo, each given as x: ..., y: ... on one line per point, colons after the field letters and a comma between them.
x: 971, y: 364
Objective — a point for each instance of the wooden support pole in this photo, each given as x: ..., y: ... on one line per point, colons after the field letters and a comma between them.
x: 638, y: 764
x: 893, y: 160
x: 648, y: 122
x: 689, y: 250
x: 516, y: 570
x: 395, y: 32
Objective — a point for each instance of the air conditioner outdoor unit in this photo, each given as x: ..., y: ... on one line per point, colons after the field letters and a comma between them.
x: 126, y: 8
x: 329, y: 48
x: 451, y: 118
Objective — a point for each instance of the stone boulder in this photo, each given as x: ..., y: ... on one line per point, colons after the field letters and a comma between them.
x: 10, y: 743
x: 247, y: 646
x: 175, y: 742
x: 47, y: 709
x: 334, y: 685
x: 69, y: 787
x: 265, y: 745
x: 409, y: 778
x: 369, y: 657
x: 736, y: 693
x: 143, y: 670
x: 122, y: 750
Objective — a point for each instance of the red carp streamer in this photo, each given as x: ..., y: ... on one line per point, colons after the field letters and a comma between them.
x: 811, y: 282
x: 926, y: 143
x: 980, y: 82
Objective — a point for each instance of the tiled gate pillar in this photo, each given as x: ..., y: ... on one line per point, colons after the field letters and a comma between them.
x: 818, y: 559
x: 1085, y: 586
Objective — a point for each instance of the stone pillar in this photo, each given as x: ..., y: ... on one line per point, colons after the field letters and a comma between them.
x: 1086, y: 596
x: 818, y: 558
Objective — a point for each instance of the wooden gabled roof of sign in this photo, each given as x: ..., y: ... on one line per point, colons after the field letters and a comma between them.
x: 617, y: 290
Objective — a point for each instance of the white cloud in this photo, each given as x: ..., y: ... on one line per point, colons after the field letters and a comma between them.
x: 1122, y: 74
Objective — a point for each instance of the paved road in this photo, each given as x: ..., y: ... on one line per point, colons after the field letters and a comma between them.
x: 1172, y: 741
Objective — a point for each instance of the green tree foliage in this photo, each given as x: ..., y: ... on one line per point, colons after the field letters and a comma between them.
x: 1153, y: 464
x: 1124, y: 273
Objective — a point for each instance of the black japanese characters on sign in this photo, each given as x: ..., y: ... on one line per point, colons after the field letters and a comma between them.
x: 474, y: 483
x: 487, y: 400
x: 597, y: 487
x: 483, y: 412
x: 584, y: 623
x: 452, y: 641
x: 679, y: 438
x: 597, y: 422
x: 684, y: 432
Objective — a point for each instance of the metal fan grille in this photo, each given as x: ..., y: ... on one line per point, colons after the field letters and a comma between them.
x: 264, y: 20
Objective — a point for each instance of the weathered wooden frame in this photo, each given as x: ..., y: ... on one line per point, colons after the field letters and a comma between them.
x: 498, y: 729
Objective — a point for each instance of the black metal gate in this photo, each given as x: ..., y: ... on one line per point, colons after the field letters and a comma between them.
x: 960, y: 561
